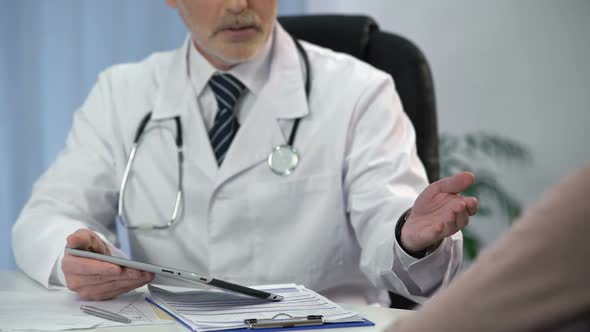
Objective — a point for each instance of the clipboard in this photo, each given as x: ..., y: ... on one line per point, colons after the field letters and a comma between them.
x: 311, y: 322
x: 298, y: 323
x: 290, y: 321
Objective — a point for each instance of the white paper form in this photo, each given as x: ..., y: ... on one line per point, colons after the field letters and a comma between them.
x: 218, y: 310
x: 60, y: 310
x: 141, y: 312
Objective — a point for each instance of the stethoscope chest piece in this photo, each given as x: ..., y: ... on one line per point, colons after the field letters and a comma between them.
x: 283, y: 159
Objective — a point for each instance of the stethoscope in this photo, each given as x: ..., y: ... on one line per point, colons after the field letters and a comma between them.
x: 282, y: 159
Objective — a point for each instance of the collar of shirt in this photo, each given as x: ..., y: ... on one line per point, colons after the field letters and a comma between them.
x: 253, y: 74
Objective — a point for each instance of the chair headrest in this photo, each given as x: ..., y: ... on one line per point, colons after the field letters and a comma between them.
x: 342, y: 33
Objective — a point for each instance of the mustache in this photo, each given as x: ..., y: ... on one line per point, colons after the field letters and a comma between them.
x: 245, y: 19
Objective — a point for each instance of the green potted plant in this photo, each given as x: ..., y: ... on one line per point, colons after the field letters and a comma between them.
x: 476, y: 153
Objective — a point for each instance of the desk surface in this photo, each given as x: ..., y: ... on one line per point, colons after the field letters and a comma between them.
x: 17, y: 281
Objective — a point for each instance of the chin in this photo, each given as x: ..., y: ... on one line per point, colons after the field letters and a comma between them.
x: 232, y: 53
x: 239, y: 55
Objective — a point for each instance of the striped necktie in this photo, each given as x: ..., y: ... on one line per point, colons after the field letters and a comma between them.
x: 227, y: 90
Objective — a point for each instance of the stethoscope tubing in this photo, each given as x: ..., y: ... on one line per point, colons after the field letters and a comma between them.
x: 293, y: 134
x: 179, y: 145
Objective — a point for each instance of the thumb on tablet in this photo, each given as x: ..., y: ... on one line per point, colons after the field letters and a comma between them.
x: 86, y: 239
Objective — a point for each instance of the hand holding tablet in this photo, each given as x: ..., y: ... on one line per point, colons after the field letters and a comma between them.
x: 93, y: 279
x: 176, y: 273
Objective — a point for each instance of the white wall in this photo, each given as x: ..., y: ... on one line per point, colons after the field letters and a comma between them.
x: 520, y: 69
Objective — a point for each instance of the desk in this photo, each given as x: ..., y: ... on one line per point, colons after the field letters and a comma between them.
x: 17, y: 281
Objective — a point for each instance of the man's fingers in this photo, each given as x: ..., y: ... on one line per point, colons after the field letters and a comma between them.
x: 94, y: 279
x: 86, y: 239
x: 457, y: 183
x: 461, y: 221
x: 102, y: 247
x: 79, y: 281
x: 472, y: 204
x: 112, y: 289
x: 449, y: 216
x: 460, y: 209
x: 117, y: 292
x: 87, y: 266
x: 451, y: 185
x: 117, y: 285
x: 97, y: 244
x: 78, y: 240
x: 460, y: 216
x: 76, y: 282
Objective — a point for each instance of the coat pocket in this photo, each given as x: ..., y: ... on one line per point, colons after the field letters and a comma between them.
x: 300, y: 224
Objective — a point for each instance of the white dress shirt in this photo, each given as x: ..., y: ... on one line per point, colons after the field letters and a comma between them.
x: 253, y: 74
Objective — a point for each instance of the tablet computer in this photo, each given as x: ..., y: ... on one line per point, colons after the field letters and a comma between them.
x: 176, y: 273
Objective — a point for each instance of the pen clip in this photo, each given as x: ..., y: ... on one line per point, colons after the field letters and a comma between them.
x: 290, y: 321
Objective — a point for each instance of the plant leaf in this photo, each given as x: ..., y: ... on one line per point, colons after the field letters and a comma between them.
x: 470, y: 244
x: 462, y: 153
x: 500, y: 148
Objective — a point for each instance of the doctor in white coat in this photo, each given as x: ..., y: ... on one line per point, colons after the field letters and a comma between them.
x: 330, y: 224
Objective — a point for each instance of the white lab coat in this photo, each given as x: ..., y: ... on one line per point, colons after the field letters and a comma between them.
x: 329, y: 225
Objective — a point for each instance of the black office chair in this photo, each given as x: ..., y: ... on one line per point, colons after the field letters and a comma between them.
x: 360, y: 36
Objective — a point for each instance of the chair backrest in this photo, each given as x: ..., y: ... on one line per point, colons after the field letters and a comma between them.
x: 360, y: 36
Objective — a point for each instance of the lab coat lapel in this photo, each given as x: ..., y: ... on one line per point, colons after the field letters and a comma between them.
x: 176, y: 97
x: 281, y: 100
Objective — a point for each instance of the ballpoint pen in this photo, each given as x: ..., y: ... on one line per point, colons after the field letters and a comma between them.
x: 94, y: 311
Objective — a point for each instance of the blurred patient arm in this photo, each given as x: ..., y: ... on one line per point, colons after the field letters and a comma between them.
x: 534, y: 277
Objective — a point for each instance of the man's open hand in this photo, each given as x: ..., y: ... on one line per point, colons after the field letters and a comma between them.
x: 440, y: 211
